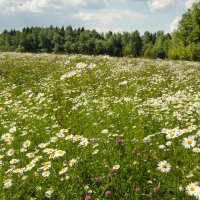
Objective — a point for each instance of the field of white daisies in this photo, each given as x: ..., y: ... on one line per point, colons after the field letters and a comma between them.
x: 93, y: 128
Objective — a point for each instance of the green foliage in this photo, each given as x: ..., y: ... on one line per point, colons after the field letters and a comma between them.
x: 78, y: 41
x: 186, y: 40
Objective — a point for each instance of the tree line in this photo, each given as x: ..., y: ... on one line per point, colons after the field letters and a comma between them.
x: 184, y: 43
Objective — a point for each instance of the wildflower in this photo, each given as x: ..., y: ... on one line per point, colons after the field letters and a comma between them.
x: 65, y: 130
x: 156, y: 189
x: 171, y: 135
x: 95, y: 151
x: 119, y: 142
x: 18, y: 171
x: 38, y: 188
x: 23, y: 150
x: 69, y: 137
x: 191, y: 189
x: 60, y: 135
x: 24, y: 177
x: 105, y: 131
x: 63, y: 170
x: 26, y: 144
x: 88, y: 197
x: 36, y: 159
x: 51, y: 156
x: 164, y: 166
x: 77, y: 138
x: 180, y: 188
x: 59, y: 153
x: 95, y: 145
x: 86, y: 187
x: 13, y: 129
x: 66, y: 177
x: 48, y: 194
x: 48, y: 150
x: 138, y: 190
x: 30, y: 155
x: 63, y: 77
x: 7, y: 137
x: 72, y: 162
x: 169, y: 143
x: 146, y: 139
x: 7, y: 183
x: 161, y: 146
x: 188, y: 142
x: 196, y: 150
x: 42, y: 145
x: 14, y: 161
x: 46, y: 166
x: 108, y: 193
x: 164, y: 130
x: 29, y: 166
x: 10, y: 152
x: 115, y: 167
x: 84, y: 142
x: 53, y: 139
x: 197, y: 193
x: 98, y: 179
x: 45, y: 173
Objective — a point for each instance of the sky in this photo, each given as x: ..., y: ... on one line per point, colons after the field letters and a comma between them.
x: 102, y: 15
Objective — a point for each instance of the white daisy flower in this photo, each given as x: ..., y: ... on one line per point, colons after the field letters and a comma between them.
x: 72, y: 162
x: 59, y: 153
x: 46, y: 166
x: 164, y: 166
x: 84, y: 142
x: 26, y: 144
x: 48, y: 194
x: 105, y: 131
x: 7, y: 183
x: 45, y: 173
x: 115, y: 167
x: 63, y: 170
x: 14, y: 161
x: 191, y: 189
x: 10, y: 152
x: 171, y: 135
x: 188, y: 142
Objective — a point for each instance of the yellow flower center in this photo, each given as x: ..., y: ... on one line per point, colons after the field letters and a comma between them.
x: 192, y: 189
x: 189, y: 142
x: 171, y: 134
x: 164, y: 166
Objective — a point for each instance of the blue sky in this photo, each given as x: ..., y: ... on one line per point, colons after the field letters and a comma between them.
x: 102, y: 15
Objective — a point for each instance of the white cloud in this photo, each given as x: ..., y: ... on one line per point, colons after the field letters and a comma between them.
x: 109, y: 19
x: 154, y: 4
x: 91, y: 4
x: 103, y: 15
x: 131, y: 0
x: 188, y: 3
x: 39, y: 6
x: 174, y: 24
x: 110, y: 15
x: 2, y: 1
x: 159, y: 5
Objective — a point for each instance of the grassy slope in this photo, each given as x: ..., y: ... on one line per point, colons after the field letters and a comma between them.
x: 132, y: 100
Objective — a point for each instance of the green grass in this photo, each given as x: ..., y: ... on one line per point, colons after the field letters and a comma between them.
x: 102, y: 112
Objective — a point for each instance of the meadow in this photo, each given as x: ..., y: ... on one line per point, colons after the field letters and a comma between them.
x: 83, y: 127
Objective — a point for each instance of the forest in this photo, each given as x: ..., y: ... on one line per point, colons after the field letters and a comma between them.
x: 182, y: 44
